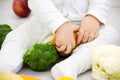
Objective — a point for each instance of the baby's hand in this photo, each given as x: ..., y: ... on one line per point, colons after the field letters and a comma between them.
x: 88, y: 30
x: 65, y: 38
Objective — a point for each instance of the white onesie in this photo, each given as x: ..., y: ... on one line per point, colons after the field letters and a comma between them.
x: 48, y: 15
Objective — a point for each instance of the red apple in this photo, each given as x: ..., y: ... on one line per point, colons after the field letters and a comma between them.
x: 20, y: 8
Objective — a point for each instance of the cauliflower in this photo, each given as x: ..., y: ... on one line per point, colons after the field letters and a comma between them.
x: 4, y: 30
x: 106, y: 62
x: 41, y: 57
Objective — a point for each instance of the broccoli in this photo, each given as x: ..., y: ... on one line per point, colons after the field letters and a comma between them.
x: 4, y: 30
x: 41, y: 57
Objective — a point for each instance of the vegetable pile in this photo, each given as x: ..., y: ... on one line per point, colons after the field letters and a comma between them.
x: 4, y: 30
x: 41, y: 57
x: 106, y: 62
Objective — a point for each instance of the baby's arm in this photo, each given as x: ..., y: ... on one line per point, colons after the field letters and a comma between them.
x: 89, y: 27
x: 48, y: 16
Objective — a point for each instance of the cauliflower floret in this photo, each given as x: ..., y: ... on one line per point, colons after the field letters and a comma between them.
x: 106, y: 62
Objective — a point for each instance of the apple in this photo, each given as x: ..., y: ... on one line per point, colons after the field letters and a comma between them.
x: 20, y: 8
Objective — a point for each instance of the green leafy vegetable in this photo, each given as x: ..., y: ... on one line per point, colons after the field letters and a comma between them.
x: 4, y: 30
x: 41, y: 57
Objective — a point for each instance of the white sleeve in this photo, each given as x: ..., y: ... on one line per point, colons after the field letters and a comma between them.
x: 47, y: 14
x: 99, y: 9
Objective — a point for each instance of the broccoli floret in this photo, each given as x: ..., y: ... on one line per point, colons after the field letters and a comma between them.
x: 4, y: 30
x: 41, y: 57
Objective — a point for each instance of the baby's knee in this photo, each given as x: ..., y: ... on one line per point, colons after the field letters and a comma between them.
x: 109, y: 35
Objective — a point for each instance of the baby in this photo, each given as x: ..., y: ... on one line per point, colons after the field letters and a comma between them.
x: 62, y: 18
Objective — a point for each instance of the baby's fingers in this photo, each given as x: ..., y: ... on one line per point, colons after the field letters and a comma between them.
x: 97, y: 33
x: 80, y: 36
x: 68, y: 49
x: 85, y: 37
x: 61, y: 48
x: 92, y: 36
